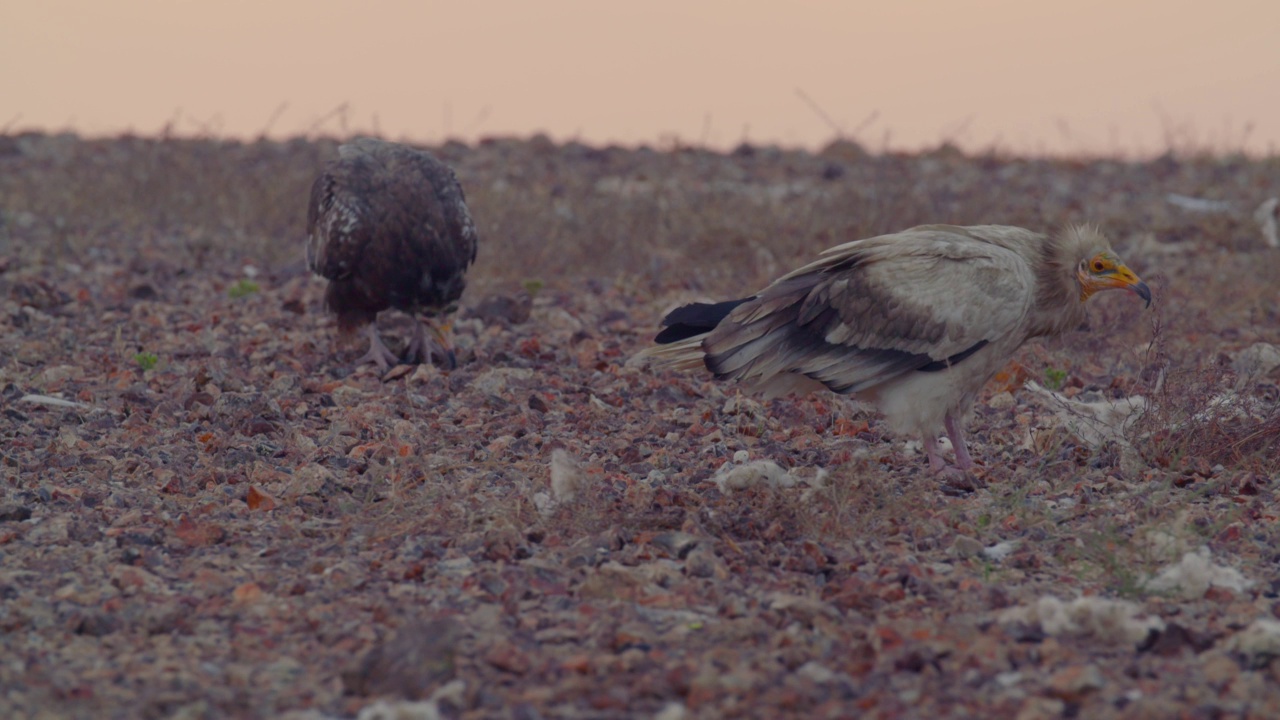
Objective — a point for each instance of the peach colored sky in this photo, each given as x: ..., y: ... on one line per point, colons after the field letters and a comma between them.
x: 1024, y: 75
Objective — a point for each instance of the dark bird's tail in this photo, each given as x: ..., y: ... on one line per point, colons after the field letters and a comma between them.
x: 695, y: 319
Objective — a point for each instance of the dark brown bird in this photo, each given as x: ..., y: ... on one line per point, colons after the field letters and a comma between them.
x: 388, y: 227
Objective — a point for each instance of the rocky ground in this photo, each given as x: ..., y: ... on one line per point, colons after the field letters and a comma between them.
x: 206, y: 512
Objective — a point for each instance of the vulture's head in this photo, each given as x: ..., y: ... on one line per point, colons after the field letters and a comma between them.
x: 1100, y: 268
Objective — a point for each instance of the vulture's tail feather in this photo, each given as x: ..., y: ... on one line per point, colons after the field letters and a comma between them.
x: 694, y: 319
x: 684, y: 354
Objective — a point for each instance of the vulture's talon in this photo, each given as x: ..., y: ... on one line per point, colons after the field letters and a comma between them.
x: 956, y: 482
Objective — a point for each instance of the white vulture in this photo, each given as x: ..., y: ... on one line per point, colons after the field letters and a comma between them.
x: 388, y: 227
x: 915, y: 322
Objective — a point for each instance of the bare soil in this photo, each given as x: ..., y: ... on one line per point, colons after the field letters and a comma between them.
x: 223, y: 518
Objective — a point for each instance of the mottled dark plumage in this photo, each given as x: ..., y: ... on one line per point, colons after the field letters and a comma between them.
x: 388, y: 227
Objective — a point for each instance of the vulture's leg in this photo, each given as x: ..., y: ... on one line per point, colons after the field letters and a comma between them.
x: 423, y: 348
x: 934, y: 453
x: 963, y: 460
x: 378, y: 353
x: 955, y: 480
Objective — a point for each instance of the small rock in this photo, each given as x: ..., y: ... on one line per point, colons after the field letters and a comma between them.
x: 802, y: 608
x: 59, y: 374
x: 144, y: 291
x: 14, y: 513
x: 509, y: 309
x: 999, y: 551
x: 310, y: 479
x: 965, y: 547
x: 1170, y: 641
x: 1257, y: 359
x: 346, y: 396
x: 1001, y: 401
x: 567, y: 481
x: 741, y: 477
x: 612, y: 581
x: 411, y: 663
x: 507, y: 657
x: 678, y: 544
x: 498, y: 381
x: 458, y: 566
x: 672, y: 711
x: 283, y: 385
x: 50, y: 531
x: 384, y: 710
x: 1218, y: 667
x: 96, y: 623
x: 816, y: 672
x: 1074, y: 682
x: 1259, y: 643
x: 232, y: 404
x: 1041, y: 708
x: 131, y: 580
x: 702, y: 562
x: 1008, y: 679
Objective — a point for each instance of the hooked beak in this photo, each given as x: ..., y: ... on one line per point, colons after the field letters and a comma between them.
x: 1121, y: 278
x: 1142, y: 291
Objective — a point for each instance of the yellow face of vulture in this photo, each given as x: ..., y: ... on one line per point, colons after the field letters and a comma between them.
x: 1105, y: 271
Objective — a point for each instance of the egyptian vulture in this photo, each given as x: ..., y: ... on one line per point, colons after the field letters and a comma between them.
x: 388, y: 227
x: 915, y: 322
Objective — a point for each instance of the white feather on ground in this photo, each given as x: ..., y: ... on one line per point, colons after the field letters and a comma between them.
x: 1094, y: 420
x: 567, y: 481
x: 1259, y: 643
x: 1192, y: 576
x: 1110, y: 621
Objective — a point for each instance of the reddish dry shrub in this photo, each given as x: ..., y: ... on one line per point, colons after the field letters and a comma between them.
x: 1203, y: 415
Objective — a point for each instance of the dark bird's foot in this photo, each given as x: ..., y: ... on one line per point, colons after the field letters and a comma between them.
x: 428, y: 347
x: 378, y: 353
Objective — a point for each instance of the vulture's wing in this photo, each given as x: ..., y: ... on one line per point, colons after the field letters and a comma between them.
x: 870, y: 310
x: 338, y: 227
x: 430, y: 199
x: 458, y: 222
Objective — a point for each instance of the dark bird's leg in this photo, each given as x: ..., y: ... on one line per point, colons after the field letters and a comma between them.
x: 963, y: 460
x: 423, y: 348
x: 378, y: 353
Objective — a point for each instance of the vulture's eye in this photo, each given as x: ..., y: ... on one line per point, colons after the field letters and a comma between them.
x: 1097, y: 266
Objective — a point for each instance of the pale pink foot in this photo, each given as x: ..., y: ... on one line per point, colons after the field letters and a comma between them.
x: 378, y: 353
x: 934, y: 453
x: 955, y: 479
